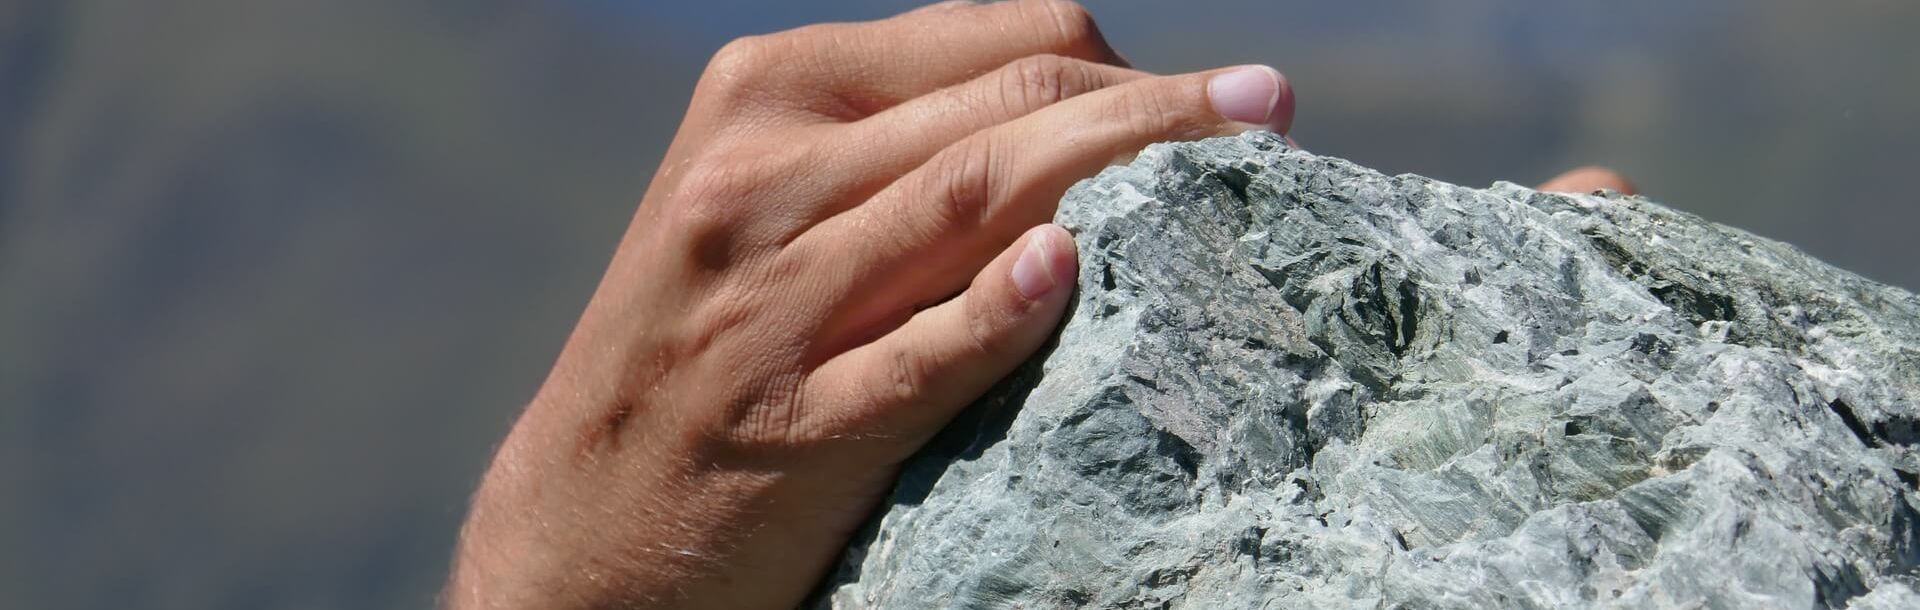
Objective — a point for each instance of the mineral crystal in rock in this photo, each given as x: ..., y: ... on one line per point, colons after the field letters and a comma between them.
x: 1292, y: 382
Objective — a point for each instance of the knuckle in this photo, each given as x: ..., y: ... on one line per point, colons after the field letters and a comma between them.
x: 1152, y: 110
x: 735, y: 173
x: 710, y: 234
x: 717, y: 178
x: 1041, y: 80
x: 906, y: 379
x: 751, y: 194
x: 983, y: 322
x: 741, y: 63
x: 968, y: 184
x: 1072, y: 24
x: 709, y: 211
x: 744, y: 54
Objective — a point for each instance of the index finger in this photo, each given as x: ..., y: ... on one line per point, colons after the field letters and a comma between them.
x: 848, y: 71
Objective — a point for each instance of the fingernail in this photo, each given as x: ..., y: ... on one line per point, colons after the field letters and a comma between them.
x: 1251, y: 94
x: 1033, y: 273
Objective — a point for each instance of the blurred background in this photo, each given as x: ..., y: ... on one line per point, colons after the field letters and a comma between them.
x: 275, y: 275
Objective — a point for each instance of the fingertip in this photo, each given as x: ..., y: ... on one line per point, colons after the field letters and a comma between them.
x: 1588, y: 179
x: 1063, y: 253
x: 1048, y: 261
x: 1282, y: 120
x: 1255, y: 95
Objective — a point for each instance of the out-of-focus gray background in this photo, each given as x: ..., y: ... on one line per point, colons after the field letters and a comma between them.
x: 275, y: 275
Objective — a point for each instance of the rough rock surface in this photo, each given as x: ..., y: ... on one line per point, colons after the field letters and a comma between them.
x: 1292, y: 382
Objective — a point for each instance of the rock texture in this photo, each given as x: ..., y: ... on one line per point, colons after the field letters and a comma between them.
x: 1292, y: 382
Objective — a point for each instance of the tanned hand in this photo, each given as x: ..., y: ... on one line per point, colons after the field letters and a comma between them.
x: 845, y: 245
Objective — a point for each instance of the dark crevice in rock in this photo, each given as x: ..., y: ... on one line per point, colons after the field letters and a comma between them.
x: 1694, y: 304
x: 1834, y: 587
x: 1617, y: 257
x: 1409, y: 322
x: 1235, y: 179
x: 1853, y: 422
x: 1697, y: 306
x: 1388, y: 314
x: 1911, y: 478
x: 1898, y: 430
x: 1904, y: 552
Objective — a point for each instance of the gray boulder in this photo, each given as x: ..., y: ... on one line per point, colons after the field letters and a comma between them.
x: 1293, y: 382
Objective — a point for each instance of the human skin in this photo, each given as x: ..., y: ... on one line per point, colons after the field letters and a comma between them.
x: 845, y: 244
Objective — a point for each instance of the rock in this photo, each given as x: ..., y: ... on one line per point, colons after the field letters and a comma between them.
x: 1292, y: 382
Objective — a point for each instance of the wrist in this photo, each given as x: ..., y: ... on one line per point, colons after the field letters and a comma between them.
x: 501, y: 563
x: 543, y: 534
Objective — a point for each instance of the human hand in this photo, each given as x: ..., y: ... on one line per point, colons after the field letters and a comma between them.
x: 843, y: 247
x: 1588, y: 179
